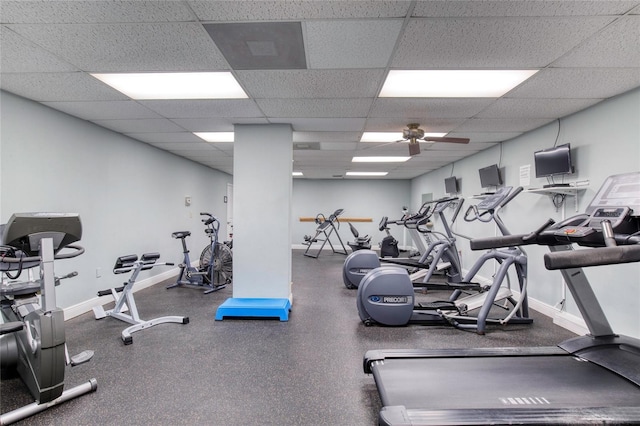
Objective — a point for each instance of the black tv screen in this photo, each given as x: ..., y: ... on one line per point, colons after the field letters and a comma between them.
x: 451, y: 185
x: 490, y: 176
x: 553, y: 161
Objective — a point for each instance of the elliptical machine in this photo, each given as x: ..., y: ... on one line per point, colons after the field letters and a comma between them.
x: 441, y: 255
x: 215, y: 270
x: 386, y: 294
x: 32, y: 337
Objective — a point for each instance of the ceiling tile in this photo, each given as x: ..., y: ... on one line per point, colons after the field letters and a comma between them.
x: 502, y: 124
x: 311, y: 83
x: 296, y: 10
x: 216, y: 124
x: 351, y: 44
x: 423, y: 109
x: 491, y: 42
x: 141, y: 47
x: 578, y: 83
x: 62, y: 87
x: 203, y: 108
x: 21, y: 55
x: 325, y: 136
x: 501, y: 8
x: 184, y: 146
x: 392, y: 124
x: 162, y: 138
x: 614, y: 46
x: 338, y: 146
x: 106, y: 110
x: 321, y: 124
x: 535, y: 108
x: 75, y: 11
x: 148, y: 125
x: 315, y: 107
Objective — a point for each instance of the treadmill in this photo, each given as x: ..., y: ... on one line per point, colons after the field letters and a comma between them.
x: 593, y: 379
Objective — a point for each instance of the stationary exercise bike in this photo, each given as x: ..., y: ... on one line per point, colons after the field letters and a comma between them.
x: 215, y: 270
x: 32, y: 334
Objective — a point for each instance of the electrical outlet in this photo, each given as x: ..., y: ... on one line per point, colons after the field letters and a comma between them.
x: 187, y: 201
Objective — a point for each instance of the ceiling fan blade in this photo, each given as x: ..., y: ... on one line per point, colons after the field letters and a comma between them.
x: 446, y: 139
x: 414, y: 148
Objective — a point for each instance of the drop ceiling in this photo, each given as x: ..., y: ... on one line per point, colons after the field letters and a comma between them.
x: 327, y: 87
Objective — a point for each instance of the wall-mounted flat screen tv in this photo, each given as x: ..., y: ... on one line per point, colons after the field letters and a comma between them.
x: 490, y: 176
x: 451, y: 185
x: 553, y: 161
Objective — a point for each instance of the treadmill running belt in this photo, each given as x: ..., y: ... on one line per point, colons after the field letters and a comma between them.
x: 546, y: 382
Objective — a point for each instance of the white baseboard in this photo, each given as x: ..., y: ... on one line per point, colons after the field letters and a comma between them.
x: 88, y: 305
x: 571, y: 322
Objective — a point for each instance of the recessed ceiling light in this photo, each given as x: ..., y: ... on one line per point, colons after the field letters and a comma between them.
x: 198, y: 85
x: 379, y: 159
x: 367, y: 173
x: 390, y: 136
x: 452, y: 83
x: 215, y: 136
x: 296, y: 174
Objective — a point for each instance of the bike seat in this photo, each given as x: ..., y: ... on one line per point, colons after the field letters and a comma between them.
x: 181, y: 234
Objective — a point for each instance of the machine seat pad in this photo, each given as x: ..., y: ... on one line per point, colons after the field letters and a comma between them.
x: 181, y: 234
x: 125, y: 263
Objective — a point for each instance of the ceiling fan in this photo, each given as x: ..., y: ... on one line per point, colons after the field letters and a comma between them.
x: 414, y: 134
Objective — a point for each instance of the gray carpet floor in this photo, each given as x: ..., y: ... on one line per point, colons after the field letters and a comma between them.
x: 307, y: 371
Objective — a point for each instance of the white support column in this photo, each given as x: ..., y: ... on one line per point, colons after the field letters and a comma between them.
x: 262, y: 186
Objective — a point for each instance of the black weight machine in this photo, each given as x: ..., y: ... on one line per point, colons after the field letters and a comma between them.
x: 32, y: 333
x: 215, y: 270
x: 592, y: 379
x: 125, y: 301
x: 326, y: 227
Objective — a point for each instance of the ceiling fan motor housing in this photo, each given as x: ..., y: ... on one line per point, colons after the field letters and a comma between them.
x: 413, y: 133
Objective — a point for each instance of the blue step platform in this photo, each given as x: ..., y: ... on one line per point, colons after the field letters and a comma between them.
x: 254, y: 308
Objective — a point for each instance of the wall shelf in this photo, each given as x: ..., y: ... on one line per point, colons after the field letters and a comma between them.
x: 572, y: 190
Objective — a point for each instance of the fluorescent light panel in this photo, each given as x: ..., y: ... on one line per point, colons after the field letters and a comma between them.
x: 296, y: 174
x: 452, y: 83
x: 367, y: 173
x: 216, y: 136
x: 199, y: 85
x: 379, y: 159
x: 390, y: 136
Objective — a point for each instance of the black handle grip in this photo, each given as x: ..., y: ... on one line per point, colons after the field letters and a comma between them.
x: 592, y: 257
x: 497, y: 242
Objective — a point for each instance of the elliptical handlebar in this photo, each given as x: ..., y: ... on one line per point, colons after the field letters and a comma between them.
x: 511, y: 196
x: 491, y: 205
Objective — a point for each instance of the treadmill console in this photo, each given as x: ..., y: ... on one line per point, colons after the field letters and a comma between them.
x: 617, y: 201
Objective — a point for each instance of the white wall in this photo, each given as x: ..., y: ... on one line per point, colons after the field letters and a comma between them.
x: 359, y: 199
x: 130, y: 195
x: 605, y: 140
